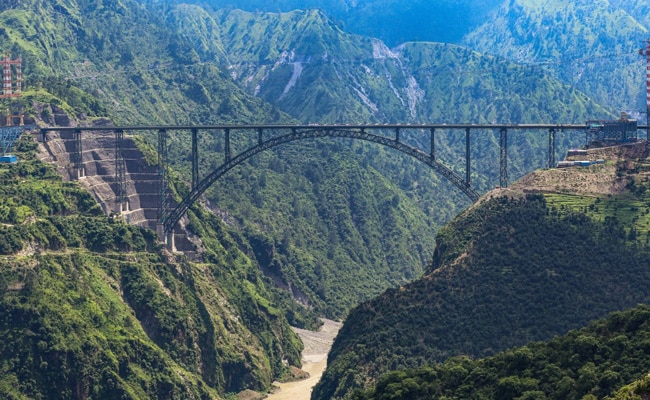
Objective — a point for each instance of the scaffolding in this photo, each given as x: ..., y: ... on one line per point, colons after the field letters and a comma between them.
x: 12, y: 77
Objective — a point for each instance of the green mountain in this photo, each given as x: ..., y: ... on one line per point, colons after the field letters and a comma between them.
x: 301, y: 58
x: 323, y: 228
x: 93, y: 307
x: 306, y: 66
x: 592, y: 45
x: 589, y: 363
x: 440, y: 21
x: 516, y: 267
x: 331, y: 222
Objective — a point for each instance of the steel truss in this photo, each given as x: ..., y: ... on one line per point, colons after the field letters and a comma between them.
x: 169, y: 220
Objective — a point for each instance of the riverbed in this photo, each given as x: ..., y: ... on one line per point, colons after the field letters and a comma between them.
x: 314, y: 361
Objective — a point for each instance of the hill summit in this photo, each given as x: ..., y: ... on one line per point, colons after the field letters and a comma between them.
x: 557, y: 249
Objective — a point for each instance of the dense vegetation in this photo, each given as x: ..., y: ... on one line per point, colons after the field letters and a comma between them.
x: 92, y: 307
x: 165, y: 82
x: 590, y: 363
x: 506, y: 272
x: 593, y: 46
x: 320, y: 219
x: 440, y: 21
x: 144, y: 62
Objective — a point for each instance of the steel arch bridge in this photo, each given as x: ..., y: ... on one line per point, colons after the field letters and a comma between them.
x: 269, y: 136
x: 170, y: 219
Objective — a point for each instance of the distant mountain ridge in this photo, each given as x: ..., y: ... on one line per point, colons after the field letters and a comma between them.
x: 592, y: 45
x: 421, y: 20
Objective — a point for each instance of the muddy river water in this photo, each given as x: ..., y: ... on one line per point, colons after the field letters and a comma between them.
x: 314, y: 361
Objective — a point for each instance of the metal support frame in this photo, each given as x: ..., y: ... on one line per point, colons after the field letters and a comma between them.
x: 121, y: 197
x: 195, y: 158
x: 468, y: 159
x: 260, y: 136
x: 433, y: 143
x: 227, y: 153
x: 77, y: 155
x: 162, y: 174
x: 170, y: 219
x: 503, y: 147
x: 397, y: 135
x: 551, y: 148
x: 9, y: 135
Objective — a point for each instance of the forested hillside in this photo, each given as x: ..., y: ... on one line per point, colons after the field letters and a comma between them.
x: 332, y: 223
x: 590, y: 363
x: 439, y: 21
x: 592, y: 46
x: 93, y: 307
x: 134, y: 74
x: 510, y: 270
x: 183, y: 75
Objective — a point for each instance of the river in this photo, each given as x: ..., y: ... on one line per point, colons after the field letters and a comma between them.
x: 314, y: 361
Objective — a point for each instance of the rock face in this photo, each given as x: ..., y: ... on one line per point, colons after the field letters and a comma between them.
x: 98, y: 176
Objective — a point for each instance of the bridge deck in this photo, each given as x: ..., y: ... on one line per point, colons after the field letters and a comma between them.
x: 324, y: 126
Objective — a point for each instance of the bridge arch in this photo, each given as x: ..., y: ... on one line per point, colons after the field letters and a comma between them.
x: 171, y: 218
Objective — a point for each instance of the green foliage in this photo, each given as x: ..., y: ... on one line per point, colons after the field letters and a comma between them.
x: 591, y: 363
x: 92, y: 308
x: 586, y: 44
x: 504, y: 273
x: 427, y: 21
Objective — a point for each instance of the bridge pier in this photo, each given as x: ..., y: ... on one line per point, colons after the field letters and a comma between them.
x: 551, y: 148
x: 121, y: 197
x: 195, y: 157
x: 503, y: 147
x: 468, y: 160
x: 227, y: 154
x: 433, y: 143
x: 77, y: 155
x: 167, y: 238
x: 162, y: 173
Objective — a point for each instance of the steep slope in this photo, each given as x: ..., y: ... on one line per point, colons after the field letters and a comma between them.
x: 301, y: 58
x: 591, y: 45
x: 593, y: 362
x: 304, y: 64
x: 440, y: 21
x: 515, y: 268
x: 93, y: 307
x: 147, y: 71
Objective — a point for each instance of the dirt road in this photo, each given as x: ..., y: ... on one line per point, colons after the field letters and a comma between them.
x: 314, y: 361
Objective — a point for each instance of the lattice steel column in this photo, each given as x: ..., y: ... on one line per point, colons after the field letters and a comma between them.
x: 195, y: 158
x: 468, y: 160
x: 77, y: 155
x: 551, y: 148
x: 121, y: 198
x: 162, y: 175
x: 433, y: 143
x: 227, y: 153
x: 503, y: 146
x: 260, y: 136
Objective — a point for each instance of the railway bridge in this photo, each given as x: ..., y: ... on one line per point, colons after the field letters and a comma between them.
x: 250, y: 140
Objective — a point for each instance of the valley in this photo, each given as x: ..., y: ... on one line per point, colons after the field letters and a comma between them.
x: 355, y: 254
x: 314, y: 358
